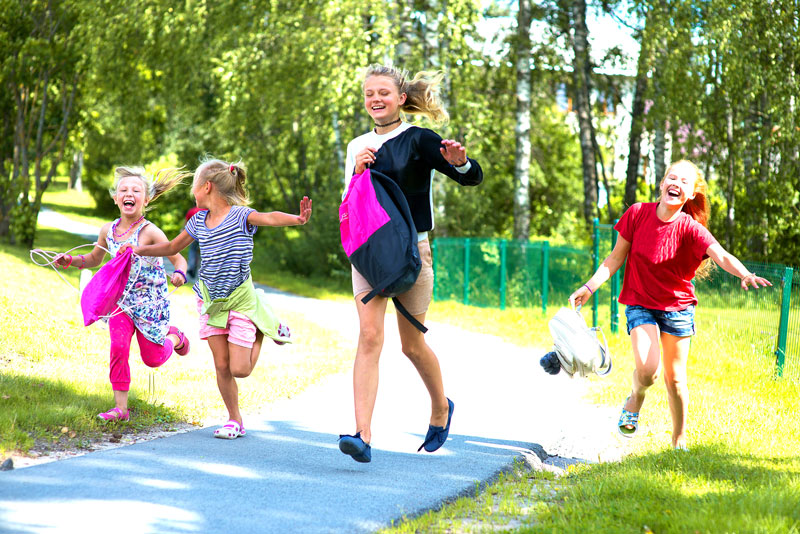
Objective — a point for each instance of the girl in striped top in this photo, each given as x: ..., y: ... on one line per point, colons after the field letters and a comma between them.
x: 234, y: 317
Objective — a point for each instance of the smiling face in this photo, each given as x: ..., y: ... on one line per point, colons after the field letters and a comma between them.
x: 131, y: 196
x: 678, y: 185
x: 382, y: 99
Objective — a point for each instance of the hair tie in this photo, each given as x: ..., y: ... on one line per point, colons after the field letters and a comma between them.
x: 233, y: 169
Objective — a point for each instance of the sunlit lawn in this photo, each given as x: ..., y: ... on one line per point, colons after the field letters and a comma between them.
x: 55, y: 370
x: 741, y: 474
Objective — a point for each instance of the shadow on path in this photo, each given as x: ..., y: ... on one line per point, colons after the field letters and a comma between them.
x: 279, y: 478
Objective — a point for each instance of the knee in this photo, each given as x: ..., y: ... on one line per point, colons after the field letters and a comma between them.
x: 675, y: 384
x: 413, y: 351
x: 370, y: 338
x: 647, y: 378
x: 241, y: 372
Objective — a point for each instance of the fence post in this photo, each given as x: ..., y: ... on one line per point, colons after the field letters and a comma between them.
x: 783, y: 326
x: 434, y: 246
x: 545, y: 274
x: 503, y: 245
x: 466, y: 271
x: 614, y: 287
x: 595, y: 266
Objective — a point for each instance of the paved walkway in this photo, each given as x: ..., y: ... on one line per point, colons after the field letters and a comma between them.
x: 288, y: 475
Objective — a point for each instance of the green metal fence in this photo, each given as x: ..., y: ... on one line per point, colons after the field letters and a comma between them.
x: 501, y: 273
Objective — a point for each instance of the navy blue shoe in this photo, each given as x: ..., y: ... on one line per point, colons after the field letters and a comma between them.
x: 355, y: 447
x: 437, y: 435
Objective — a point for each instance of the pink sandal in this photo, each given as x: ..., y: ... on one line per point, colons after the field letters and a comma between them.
x: 115, y: 414
x: 230, y: 430
x: 184, y: 343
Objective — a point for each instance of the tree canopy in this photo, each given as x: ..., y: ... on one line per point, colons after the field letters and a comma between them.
x: 277, y: 84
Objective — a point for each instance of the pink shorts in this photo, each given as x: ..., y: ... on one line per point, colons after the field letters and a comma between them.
x: 240, y: 329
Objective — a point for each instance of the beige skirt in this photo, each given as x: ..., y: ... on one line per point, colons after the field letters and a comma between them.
x: 418, y: 298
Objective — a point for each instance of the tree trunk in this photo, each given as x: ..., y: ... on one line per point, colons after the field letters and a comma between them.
x: 405, y: 37
x: 637, y: 122
x: 338, y: 144
x: 522, y: 130
x: 729, y: 193
x: 76, y: 172
x: 582, y: 86
x: 659, y: 155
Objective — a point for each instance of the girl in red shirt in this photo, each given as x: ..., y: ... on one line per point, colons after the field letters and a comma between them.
x: 666, y: 243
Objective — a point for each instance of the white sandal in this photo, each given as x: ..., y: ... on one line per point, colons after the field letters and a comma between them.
x: 230, y: 430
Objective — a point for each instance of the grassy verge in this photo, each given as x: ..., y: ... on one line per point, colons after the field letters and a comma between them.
x: 741, y: 474
x: 53, y: 370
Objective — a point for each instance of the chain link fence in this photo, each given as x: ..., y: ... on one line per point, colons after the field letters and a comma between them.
x: 500, y: 273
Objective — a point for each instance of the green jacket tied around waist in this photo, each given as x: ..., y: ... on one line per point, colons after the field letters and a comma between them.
x: 247, y: 300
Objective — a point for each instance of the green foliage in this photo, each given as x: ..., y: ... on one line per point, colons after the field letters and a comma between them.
x: 725, y: 82
x: 277, y: 85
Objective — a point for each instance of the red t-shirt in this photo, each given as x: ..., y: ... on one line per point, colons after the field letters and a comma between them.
x: 191, y: 212
x: 663, y: 258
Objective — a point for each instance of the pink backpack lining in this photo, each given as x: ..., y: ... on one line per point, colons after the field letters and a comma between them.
x: 356, y: 230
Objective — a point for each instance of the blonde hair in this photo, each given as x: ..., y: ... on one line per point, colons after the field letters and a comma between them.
x: 155, y: 186
x: 698, y: 208
x: 228, y: 178
x: 422, y: 95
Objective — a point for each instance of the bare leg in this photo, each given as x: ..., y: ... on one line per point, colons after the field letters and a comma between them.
x: 121, y: 400
x: 242, y: 359
x: 647, y: 357
x: 427, y: 365
x: 256, y: 350
x: 225, y: 379
x: 676, y: 354
x: 365, y: 369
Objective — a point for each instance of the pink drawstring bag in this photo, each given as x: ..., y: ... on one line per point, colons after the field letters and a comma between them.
x: 102, y: 293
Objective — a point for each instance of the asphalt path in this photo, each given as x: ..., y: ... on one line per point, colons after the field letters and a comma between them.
x: 287, y: 474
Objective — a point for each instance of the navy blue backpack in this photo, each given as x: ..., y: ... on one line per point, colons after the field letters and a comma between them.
x: 379, y: 237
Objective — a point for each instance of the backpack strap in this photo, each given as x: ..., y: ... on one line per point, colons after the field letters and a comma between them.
x: 404, y: 312
x: 397, y: 304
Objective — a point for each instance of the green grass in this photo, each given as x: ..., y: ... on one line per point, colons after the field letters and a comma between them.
x: 77, y: 206
x: 741, y: 474
x: 53, y: 370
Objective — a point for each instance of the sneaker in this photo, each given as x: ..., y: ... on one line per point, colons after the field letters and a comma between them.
x: 115, y: 414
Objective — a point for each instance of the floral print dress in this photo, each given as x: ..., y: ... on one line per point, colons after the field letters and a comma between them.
x: 145, y: 299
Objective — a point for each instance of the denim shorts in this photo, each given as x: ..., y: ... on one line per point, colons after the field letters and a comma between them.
x: 677, y: 323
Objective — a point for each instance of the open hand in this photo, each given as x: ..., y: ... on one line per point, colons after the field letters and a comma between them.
x: 754, y: 280
x: 454, y: 152
x: 305, y: 211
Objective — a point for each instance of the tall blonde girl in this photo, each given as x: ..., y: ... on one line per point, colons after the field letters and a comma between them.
x: 409, y: 155
x: 144, y: 307
x: 665, y: 244
x: 234, y: 317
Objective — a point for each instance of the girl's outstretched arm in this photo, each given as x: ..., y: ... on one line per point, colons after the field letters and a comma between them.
x: 167, y: 248
x: 152, y: 235
x: 731, y: 264
x: 609, y: 266
x: 279, y: 218
x: 88, y: 261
